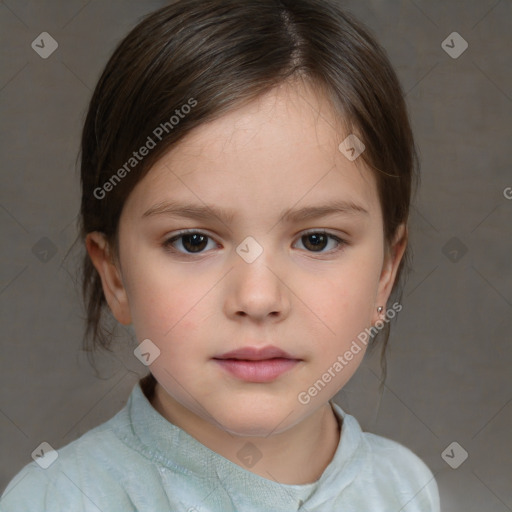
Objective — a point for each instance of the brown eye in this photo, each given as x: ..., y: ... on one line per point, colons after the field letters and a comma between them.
x: 317, y: 241
x: 192, y: 242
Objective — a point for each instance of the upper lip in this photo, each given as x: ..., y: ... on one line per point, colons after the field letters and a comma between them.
x: 256, y: 354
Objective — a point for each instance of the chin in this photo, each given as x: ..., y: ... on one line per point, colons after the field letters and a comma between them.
x: 249, y: 429
x: 254, y: 423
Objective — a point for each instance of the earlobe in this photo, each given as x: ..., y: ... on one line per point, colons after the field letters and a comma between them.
x: 113, y: 288
x: 390, y: 266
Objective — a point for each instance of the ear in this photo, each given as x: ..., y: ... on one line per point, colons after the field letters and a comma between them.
x: 392, y: 259
x: 113, y: 288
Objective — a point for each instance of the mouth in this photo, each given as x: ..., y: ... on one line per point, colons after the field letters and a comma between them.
x: 257, y: 365
x: 256, y: 354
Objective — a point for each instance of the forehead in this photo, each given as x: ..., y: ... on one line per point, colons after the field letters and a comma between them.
x: 271, y: 153
x: 293, y: 113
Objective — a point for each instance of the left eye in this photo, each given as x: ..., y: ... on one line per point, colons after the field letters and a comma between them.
x: 316, y: 241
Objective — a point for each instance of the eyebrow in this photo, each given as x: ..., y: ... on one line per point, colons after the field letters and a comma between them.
x: 206, y: 212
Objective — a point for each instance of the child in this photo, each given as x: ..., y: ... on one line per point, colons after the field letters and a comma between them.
x: 247, y: 168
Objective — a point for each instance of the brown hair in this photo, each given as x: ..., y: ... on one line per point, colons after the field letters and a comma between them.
x: 221, y: 54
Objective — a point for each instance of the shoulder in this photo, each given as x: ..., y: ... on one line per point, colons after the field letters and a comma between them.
x: 384, y: 474
x: 404, y: 472
x: 63, y: 479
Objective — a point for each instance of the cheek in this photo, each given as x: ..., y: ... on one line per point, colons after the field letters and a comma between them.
x: 345, y: 305
x: 166, y: 302
x: 343, y: 300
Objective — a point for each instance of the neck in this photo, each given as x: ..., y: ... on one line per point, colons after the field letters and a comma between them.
x: 296, y: 456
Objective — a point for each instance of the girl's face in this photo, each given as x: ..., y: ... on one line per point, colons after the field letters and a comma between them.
x: 285, y: 249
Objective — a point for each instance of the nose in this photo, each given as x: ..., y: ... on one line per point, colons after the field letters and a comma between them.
x: 258, y: 290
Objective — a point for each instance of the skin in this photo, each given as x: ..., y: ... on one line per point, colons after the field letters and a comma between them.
x: 275, y: 153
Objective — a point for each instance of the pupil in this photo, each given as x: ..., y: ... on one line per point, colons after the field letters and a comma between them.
x: 317, y: 240
x: 196, y: 238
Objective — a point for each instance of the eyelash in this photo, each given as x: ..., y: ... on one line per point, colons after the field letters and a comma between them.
x: 167, y: 244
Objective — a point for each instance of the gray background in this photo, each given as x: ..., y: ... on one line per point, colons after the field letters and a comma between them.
x: 450, y: 353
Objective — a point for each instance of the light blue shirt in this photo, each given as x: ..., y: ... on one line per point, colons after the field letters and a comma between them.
x: 139, y: 461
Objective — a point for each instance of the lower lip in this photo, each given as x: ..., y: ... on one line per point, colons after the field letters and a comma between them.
x: 257, y: 371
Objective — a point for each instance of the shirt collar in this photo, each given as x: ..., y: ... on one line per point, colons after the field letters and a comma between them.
x: 145, y: 430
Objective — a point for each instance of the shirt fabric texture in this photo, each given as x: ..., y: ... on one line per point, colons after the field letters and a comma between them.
x: 139, y: 461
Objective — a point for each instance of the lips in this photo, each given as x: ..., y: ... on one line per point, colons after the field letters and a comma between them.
x: 256, y: 365
x: 256, y: 354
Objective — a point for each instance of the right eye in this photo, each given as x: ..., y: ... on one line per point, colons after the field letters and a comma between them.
x: 193, y: 242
